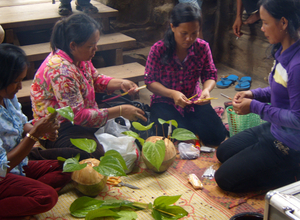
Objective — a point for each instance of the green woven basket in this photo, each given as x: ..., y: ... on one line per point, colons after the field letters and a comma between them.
x: 238, y: 123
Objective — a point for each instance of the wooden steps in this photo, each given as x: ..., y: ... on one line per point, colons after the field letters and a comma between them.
x: 112, y: 41
x: 130, y: 71
x: 19, y: 17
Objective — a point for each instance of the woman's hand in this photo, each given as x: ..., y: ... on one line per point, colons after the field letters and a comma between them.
x: 242, y: 106
x: 129, y: 86
x: 244, y: 94
x: 132, y: 113
x: 180, y: 99
x: 46, y: 126
x: 204, y: 95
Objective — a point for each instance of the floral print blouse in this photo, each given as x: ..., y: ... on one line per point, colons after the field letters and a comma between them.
x: 12, y: 121
x: 59, y: 82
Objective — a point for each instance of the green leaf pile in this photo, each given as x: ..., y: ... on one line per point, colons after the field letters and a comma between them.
x: 91, y: 208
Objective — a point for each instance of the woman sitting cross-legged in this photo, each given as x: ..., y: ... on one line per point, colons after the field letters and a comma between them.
x: 268, y: 155
x: 67, y: 77
x: 26, y: 187
x: 172, y: 73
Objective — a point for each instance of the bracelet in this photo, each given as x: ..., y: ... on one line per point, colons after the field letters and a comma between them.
x: 120, y: 110
x: 32, y: 137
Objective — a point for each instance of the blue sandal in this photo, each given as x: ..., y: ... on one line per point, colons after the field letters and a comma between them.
x: 244, y: 83
x: 226, y: 82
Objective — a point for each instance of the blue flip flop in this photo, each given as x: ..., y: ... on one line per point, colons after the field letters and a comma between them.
x: 226, y: 82
x: 244, y: 83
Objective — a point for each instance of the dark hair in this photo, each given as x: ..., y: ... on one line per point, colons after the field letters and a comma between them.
x: 289, y: 9
x: 181, y: 13
x: 13, y: 61
x: 76, y: 28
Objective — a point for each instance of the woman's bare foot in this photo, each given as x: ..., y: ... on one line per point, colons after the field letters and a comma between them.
x: 252, y: 18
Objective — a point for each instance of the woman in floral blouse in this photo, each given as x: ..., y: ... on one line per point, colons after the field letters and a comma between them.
x: 172, y: 73
x: 26, y: 187
x: 67, y: 77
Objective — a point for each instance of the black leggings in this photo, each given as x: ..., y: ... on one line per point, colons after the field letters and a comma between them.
x: 251, y: 161
x: 63, y: 147
x: 203, y: 122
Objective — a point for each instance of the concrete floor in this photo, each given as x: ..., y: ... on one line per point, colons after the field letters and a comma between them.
x: 230, y: 91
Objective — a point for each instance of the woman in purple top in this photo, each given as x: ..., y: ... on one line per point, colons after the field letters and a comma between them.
x: 268, y: 155
x: 172, y: 73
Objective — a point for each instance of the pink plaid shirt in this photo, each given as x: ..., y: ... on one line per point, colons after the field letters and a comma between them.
x: 181, y: 76
x: 59, y: 83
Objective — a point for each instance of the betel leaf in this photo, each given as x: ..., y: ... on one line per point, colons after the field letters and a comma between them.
x: 61, y: 159
x: 110, y: 166
x: 72, y: 164
x: 66, y: 112
x: 156, y: 214
x: 51, y: 110
x: 81, y: 206
x: 140, y: 127
x: 118, y: 203
x: 134, y: 135
x: 166, y: 200
x: 88, y: 145
x: 174, y: 212
x: 182, y: 134
x: 155, y: 152
x: 173, y: 122
x: 127, y: 215
x: 118, y: 156
x: 98, y: 213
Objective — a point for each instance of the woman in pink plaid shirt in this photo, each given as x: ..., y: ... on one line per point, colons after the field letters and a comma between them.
x: 172, y: 73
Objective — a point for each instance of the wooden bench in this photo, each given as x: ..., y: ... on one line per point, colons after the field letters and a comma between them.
x: 17, y: 15
x: 114, y: 43
x: 130, y: 71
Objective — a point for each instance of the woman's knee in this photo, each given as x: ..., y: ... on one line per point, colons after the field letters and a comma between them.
x: 221, y: 152
x: 222, y: 180
x: 46, y: 198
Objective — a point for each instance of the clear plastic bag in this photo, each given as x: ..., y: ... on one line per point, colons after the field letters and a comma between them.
x: 209, y: 173
x: 188, y: 151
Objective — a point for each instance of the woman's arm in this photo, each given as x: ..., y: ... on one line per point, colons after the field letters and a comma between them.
x: 40, y: 128
x: 238, y: 19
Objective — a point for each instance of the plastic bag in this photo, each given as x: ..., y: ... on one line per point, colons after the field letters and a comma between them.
x: 115, y: 127
x: 209, y: 173
x: 188, y: 151
x: 111, y: 138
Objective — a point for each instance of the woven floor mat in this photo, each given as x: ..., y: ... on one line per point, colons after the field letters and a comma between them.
x: 196, y: 202
x: 210, y: 203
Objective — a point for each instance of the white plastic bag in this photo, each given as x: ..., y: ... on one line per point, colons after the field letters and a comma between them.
x: 114, y: 128
x: 114, y: 140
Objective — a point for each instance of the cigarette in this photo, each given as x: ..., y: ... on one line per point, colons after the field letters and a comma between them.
x: 237, y: 38
x: 226, y: 96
